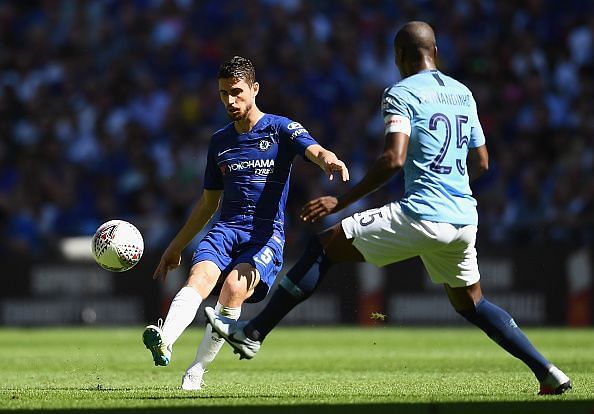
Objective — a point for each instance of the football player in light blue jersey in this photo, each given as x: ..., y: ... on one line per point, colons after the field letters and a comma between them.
x: 247, y: 174
x: 432, y: 132
x: 439, y: 114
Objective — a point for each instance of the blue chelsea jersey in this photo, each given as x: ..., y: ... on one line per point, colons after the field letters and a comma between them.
x: 444, y: 124
x: 253, y: 170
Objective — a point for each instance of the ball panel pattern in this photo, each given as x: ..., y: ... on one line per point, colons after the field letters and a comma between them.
x: 117, y: 246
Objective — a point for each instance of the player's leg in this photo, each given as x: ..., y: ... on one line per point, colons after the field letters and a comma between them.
x: 298, y: 284
x: 239, y: 285
x: 450, y: 258
x: 377, y: 236
x: 469, y: 302
x: 182, y: 311
x: 250, y: 279
x: 367, y: 236
x: 324, y: 250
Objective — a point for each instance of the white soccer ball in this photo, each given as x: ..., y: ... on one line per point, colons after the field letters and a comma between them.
x: 117, y: 246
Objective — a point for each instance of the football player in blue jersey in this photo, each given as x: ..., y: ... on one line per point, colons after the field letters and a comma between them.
x: 432, y: 132
x: 247, y: 174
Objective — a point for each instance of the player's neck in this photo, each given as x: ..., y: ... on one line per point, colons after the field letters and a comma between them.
x: 418, y: 67
x: 246, y: 124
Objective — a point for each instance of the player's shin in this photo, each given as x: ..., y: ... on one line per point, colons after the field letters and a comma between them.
x: 500, y: 326
x: 296, y: 286
x: 211, y: 342
x: 182, y: 312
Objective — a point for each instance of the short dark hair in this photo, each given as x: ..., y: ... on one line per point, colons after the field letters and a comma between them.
x: 238, y: 68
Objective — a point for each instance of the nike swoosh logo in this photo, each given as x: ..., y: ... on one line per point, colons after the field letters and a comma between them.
x: 223, y: 152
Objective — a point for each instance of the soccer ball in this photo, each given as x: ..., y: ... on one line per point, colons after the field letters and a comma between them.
x: 117, y: 246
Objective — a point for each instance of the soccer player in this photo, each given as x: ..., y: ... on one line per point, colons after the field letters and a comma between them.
x: 248, y: 165
x: 432, y: 132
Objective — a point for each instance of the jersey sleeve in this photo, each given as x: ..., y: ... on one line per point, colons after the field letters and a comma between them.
x: 297, y: 135
x: 477, y: 136
x: 213, y: 178
x: 396, y: 111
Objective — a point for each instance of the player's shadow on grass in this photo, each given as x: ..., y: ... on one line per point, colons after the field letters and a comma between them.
x: 546, y: 406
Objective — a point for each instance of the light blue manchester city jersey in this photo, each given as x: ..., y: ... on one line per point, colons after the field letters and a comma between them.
x: 444, y: 124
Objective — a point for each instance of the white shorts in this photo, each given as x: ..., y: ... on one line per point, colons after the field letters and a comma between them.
x: 386, y: 235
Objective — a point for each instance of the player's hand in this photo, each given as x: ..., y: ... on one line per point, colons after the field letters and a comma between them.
x: 170, y: 260
x: 318, y: 208
x: 333, y: 165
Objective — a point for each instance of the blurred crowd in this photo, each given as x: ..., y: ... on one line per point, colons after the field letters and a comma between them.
x: 107, y: 106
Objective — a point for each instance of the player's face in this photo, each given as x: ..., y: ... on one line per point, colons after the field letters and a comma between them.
x: 238, y: 96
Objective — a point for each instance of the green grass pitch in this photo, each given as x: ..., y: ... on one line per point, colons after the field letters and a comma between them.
x: 300, y: 370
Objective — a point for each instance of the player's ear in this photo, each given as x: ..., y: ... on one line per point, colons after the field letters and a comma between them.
x: 256, y: 88
x: 398, y: 58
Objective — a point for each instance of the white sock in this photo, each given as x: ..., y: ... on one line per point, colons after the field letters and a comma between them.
x: 556, y: 377
x: 181, y: 313
x: 211, y: 342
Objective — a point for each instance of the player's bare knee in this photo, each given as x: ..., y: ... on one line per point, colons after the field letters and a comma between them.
x: 241, y: 280
x: 464, y: 299
x: 202, y: 281
x: 233, y: 286
x: 234, y: 293
x: 330, y: 235
x: 462, y: 307
x: 337, y: 247
x: 200, y: 286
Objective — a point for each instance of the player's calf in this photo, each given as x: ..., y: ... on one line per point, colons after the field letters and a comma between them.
x: 501, y: 328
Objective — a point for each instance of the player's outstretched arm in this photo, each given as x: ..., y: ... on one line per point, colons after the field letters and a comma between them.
x: 201, y: 213
x: 327, y: 161
x: 389, y: 163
